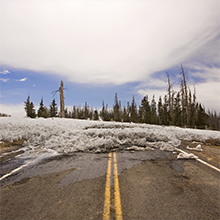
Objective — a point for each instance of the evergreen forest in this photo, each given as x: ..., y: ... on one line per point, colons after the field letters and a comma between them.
x: 176, y: 108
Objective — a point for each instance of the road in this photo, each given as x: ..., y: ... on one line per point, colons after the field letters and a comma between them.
x: 152, y: 185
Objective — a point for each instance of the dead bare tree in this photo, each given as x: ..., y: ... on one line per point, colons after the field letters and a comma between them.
x: 170, y: 99
x: 185, y: 110
x: 62, y: 106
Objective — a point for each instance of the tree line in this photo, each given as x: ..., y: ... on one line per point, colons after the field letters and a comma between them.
x: 176, y: 108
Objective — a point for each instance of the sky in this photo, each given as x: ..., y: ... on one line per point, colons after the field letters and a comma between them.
x: 99, y: 48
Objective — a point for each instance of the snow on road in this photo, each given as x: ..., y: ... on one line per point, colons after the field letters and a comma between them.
x: 47, y: 137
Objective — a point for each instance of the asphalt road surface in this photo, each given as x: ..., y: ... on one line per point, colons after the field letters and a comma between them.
x: 152, y: 185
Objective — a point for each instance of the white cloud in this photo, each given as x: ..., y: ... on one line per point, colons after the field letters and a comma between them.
x: 21, y: 80
x: 154, y: 82
x: 24, y: 79
x: 105, y: 41
x: 152, y: 92
x: 209, y: 95
x: 15, y: 110
x: 4, y: 80
x: 5, y: 71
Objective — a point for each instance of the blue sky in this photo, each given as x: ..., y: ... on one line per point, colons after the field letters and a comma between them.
x: 19, y: 83
x: 99, y: 48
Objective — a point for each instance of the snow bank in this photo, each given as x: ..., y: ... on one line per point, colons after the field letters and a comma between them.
x: 59, y: 136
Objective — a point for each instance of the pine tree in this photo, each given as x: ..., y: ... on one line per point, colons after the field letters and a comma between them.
x: 41, y: 109
x: 129, y: 111
x: 214, y: 120
x: 177, y: 110
x: 153, y: 107
x: 120, y: 111
x: 160, y: 111
x: 103, y: 111
x: 165, y: 120
x: 145, y: 111
x: 86, y: 110
x: 96, y: 115
x: 45, y: 113
x: 116, y: 109
x: 32, y: 110
x: 202, y: 117
x: 192, y: 109
x: 53, y: 109
x: 29, y: 108
x: 125, y: 115
x: 133, y: 111
x: 91, y: 112
x: 66, y: 114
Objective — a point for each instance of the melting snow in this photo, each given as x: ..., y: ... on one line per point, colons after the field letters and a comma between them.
x: 46, y: 137
x: 186, y: 156
x: 197, y: 148
x: 136, y: 148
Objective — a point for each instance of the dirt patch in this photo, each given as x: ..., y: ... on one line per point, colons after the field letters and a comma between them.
x: 9, y: 150
x: 6, y: 146
x: 213, y: 142
x: 9, y: 156
x: 210, y: 153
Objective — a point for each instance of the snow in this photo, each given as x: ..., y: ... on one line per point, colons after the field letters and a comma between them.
x: 48, y: 137
x: 197, y: 148
x: 186, y: 156
x: 167, y: 147
x: 136, y: 148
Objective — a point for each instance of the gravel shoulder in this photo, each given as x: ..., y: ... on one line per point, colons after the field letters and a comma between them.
x: 210, y: 153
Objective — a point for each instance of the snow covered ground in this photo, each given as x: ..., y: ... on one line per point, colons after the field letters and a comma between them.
x: 48, y: 137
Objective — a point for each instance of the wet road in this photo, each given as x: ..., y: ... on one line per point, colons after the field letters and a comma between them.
x: 153, y: 185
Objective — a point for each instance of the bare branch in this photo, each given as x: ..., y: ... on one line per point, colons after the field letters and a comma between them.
x: 54, y: 92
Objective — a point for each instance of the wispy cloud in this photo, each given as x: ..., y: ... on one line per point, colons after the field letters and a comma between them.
x: 4, y: 80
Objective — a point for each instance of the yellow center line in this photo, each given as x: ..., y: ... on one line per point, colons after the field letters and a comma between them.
x: 117, y: 201
x: 118, y: 210
x: 106, y: 210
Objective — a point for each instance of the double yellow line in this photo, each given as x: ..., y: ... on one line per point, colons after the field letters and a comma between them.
x: 107, y: 202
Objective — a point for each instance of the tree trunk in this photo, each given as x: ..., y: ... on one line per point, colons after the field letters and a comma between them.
x: 62, y: 112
